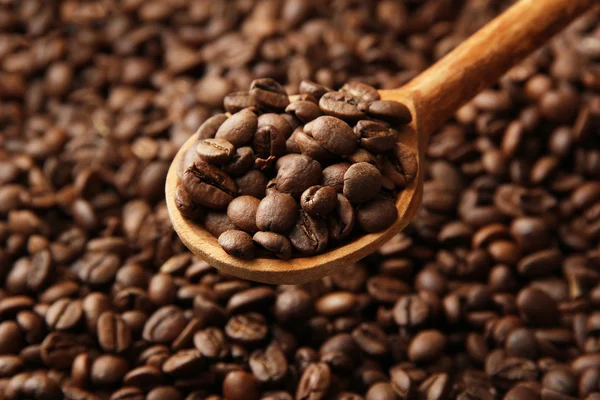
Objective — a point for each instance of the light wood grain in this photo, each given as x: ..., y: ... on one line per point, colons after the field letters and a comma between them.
x: 432, y: 98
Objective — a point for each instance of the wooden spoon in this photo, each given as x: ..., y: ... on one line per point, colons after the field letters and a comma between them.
x: 432, y: 98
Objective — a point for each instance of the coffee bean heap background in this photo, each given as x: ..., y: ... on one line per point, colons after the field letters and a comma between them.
x: 493, y: 292
x: 300, y: 179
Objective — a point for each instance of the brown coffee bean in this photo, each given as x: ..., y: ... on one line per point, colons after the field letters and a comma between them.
x: 333, y: 176
x: 336, y: 303
x: 298, y: 175
x: 401, y: 170
x: 268, y: 365
x: 376, y: 215
x: 237, y: 243
x: 114, y: 334
x: 305, y: 111
x: 242, y: 212
x: 309, y: 235
x: 64, y: 314
x: 247, y: 328
x: 208, y: 186
x: 59, y: 349
x: 272, y: 243
x: 237, y: 101
x: 537, y: 307
x: 390, y: 111
x: 333, y: 134
x: 426, y: 346
x: 241, y: 162
x: 108, y: 370
x: 277, y: 213
x: 340, y: 105
x: 217, y: 223
x: 184, y: 362
x: 164, y: 325
x: 315, y: 382
x: 268, y: 94
x: 318, y: 201
x: 239, y: 128
x: 240, y: 385
x: 253, y: 183
x: 374, y: 137
x: 341, y: 222
x: 268, y: 144
x: 362, y: 182
x: 215, y: 151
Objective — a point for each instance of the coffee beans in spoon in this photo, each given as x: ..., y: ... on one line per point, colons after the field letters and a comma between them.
x: 293, y: 176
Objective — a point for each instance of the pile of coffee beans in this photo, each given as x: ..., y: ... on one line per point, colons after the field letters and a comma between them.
x: 296, y: 173
x: 492, y: 293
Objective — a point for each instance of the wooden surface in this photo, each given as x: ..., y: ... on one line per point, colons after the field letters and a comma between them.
x: 432, y: 97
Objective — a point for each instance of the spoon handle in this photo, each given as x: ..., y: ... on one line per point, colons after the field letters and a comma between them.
x: 483, y: 58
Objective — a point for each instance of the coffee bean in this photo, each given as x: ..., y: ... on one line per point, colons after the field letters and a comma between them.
x: 362, y: 182
x: 318, y: 201
x: 242, y: 212
x: 426, y: 346
x: 386, y: 289
x: 64, y: 314
x: 333, y: 176
x: 217, y: 223
x: 237, y: 243
x: 114, y: 334
x: 336, y: 303
x: 537, y: 307
x: 305, y: 111
x: 401, y: 170
x: 340, y: 105
x: 360, y: 91
x: 298, y: 175
x: 247, y: 328
x: 333, y: 135
x: 237, y: 101
x: 308, y: 146
x: 239, y: 128
x: 59, y: 349
x: 273, y: 243
x: 184, y: 362
x: 241, y: 162
x: 277, y: 213
x: 341, y: 222
x: 240, y: 385
x: 269, y: 94
x: 215, y: 151
x: 208, y: 186
x: 390, y: 111
x: 164, y: 325
x: 374, y: 136
x: 268, y: 144
x: 309, y: 235
x: 108, y: 370
x: 315, y: 382
x: 376, y: 215
x: 268, y: 365
x: 253, y: 183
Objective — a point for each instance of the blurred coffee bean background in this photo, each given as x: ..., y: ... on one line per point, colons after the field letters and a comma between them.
x: 492, y: 292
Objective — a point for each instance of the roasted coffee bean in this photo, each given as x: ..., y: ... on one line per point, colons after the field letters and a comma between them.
x: 253, y: 183
x: 402, y: 169
x: 333, y: 134
x: 276, y: 213
x: 217, y: 223
x: 309, y: 235
x: 247, y: 328
x: 376, y: 215
x: 208, y: 186
x: 58, y: 349
x: 108, y: 370
x: 268, y: 144
x: 241, y: 162
x: 374, y: 136
x: 215, y: 151
x: 426, y: 346
x: 390, y: 111
x: 318, y: 201
x: 269, y: 94
x: 305, y: 111
x: 340, y: 105
x: 64, y: 314
x: 298, y: 175
x: 237, y: 243
x: 239, y: 128
x: 341, y: 221
x: 362, y: 182
x: 114, y: 334
x: 333, y: 176
x: 164, y: 325
x: 237, y: 101
x: 186, y: 205
x: 268, y: 365
x: 242, y: 212
x: 360, y: 91
x: 308, y: 146
x: 240, y: 385
x: 273, y: 243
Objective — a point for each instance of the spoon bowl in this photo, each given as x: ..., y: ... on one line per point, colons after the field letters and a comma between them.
x: 296, y: 270
x: 432, y: 98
